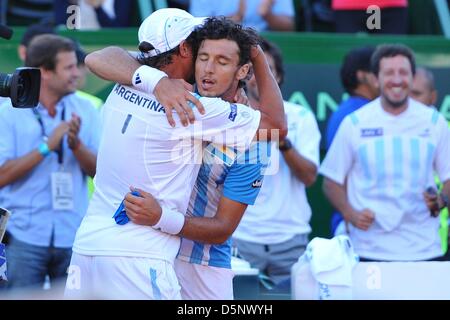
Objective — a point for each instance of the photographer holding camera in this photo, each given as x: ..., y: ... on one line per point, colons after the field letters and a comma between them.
x: 42, y: 173
x: 22, y: 87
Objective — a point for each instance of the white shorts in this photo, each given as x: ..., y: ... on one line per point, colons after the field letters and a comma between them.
x: 107, y: 277
x: 200, y: 282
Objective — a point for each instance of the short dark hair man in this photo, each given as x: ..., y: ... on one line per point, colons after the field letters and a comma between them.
x: 361, y: 85
x: 46, y: 153
x: 381, y: 161
x: 423, y: 88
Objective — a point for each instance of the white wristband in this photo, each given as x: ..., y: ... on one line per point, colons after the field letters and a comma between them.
x: 146, y: 78
x: 171, y: 221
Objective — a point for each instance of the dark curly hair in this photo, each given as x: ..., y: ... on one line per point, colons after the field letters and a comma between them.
x: 218, y: 28
x: 389, y: 51
x: 357, y: 59
x: 275, y: 52
x: 215, y: 28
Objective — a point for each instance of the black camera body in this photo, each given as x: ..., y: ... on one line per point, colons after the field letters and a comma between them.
x: 22, y: 87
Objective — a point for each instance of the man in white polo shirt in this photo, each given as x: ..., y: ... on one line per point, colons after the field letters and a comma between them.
x: 273, y: 233
x: 387, y: 152
x: 140, y: 148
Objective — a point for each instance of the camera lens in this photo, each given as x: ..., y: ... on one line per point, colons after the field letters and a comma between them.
x: 22, y: 83
x: 22, y: 87
x: 5, y: 84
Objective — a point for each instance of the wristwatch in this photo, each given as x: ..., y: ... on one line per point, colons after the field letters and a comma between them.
x: 285, y: 145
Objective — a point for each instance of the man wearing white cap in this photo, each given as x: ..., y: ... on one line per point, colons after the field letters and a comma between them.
x: 228, y: 180
x: 130, y: 261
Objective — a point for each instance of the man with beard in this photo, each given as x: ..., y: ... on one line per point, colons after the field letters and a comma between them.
x: 423, y: 87
x: 387, y: 151
x: 273, y: 233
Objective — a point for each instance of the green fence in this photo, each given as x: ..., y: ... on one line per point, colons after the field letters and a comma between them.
x: 312, y: 78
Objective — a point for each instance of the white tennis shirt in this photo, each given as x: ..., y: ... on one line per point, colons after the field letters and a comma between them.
x: 139, y: 148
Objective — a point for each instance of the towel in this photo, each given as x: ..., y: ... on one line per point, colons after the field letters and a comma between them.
x: 2, y: 263
x: 120, y: 216
x: 331, y: 263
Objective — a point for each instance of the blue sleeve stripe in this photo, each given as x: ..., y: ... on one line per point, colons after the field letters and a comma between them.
x: 242, y: 183
x: 245, y: 199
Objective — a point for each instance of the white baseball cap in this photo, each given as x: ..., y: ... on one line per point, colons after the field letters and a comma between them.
x: 165, y: 28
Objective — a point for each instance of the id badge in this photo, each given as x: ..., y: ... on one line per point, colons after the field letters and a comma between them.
x: 62, y: 191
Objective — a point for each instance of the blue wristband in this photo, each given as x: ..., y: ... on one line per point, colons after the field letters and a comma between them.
x: 44, y: 149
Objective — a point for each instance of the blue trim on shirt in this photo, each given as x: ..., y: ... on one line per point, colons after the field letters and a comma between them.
x: 191, y: 104
x: 354, y: 118
x: 435, y: 117
x: 430, y: 154
x: 415, y: 162
x: 155, y: 288
x: 397, y: 151
x: 362, y: 152
x: 238, y: 185
x: 345, y: 108
x: 242, y: 183
x: 380, y: 164
x: 220, y: 255
x: 199, y: 210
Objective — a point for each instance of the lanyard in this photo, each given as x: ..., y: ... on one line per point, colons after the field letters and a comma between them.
x: 60, y: 150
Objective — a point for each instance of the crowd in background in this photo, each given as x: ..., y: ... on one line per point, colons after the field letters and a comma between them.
x: 398, y: 16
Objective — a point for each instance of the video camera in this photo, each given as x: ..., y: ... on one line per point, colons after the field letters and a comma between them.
x: 23, y: 85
